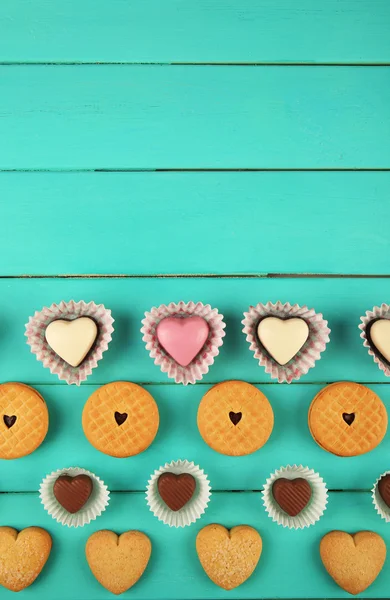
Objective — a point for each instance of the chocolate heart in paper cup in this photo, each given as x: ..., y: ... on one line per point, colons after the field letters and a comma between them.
x: 375, y: 333
x: 286, y: 339
x: 183, y: 339
x: 69, y: 338
x: 381, y: 496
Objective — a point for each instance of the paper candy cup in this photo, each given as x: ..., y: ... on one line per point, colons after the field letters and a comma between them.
x: 92, y: 509
x: 190, y: 511
x: 201, y: 363
x: 380, y: 505
x: 309, y: 353
x: 311, y: 513
x: 36, y: 328
x: 378, y: 312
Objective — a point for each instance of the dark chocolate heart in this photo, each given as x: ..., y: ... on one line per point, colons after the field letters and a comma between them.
x: 349, y: 418
x: 292, y: 495
x: 9, y: 421
x: 384, y: 489
x: 120, y: 418
x: 235, y: 417
x: 73, y: 492
x: 176, y: 490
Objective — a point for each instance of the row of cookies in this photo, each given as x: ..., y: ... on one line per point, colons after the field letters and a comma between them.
x: 228, y: 557
x: 183, y: 339
x: 235, y: 418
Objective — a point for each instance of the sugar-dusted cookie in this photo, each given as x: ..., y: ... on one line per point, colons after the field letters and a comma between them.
x: 347, y: 419
x: 235, y: 418
x: 228, y: 557
x: 24, y: 420
x: 22, y: 556
x: 354, y: 561
x: 118, y: 562
x: 120, y: 419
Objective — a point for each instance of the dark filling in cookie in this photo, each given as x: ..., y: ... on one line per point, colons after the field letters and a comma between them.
x: 349, y: 418
x: 235, y: 417
x: 9, y: 421
x: 120, y: 418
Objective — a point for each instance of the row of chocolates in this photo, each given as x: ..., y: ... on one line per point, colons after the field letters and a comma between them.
x: 183, y: 339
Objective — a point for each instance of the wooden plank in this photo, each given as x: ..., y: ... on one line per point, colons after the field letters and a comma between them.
x: 122, y: 117
x: 203, y: 31
x: 174, y: 570
x: 342, y: 302
x: 260, y: 222
x: 179, y: 438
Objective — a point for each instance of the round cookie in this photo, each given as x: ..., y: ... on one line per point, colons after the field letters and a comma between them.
x: 235, y: 418
x: 120, y: 419
x: 347, y: 419
x: 24, y: 420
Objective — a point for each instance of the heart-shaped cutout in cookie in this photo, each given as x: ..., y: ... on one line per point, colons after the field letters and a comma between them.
x: 22, y: 556
x: 118, y: 562
x: 353, y: 561
x: 379, y: 334
x: 72, y: 340
x: 228, y: 557
x: 282, y: 338
x: 182, y: 337
x: 292, y: 495
x: 176, y: 490
x: 73, y: 492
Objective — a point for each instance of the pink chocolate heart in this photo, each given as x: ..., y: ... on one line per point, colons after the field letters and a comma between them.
x: 182, y: 337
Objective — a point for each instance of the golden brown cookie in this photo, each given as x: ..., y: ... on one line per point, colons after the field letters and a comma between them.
x: 229, y: 557
x: 24, y: 420
x: 22, y: 556
x: 120, y: 419
x: 347, y: 419
x: 353, y: 561
x: 118, y: 562
x: 235, y: 418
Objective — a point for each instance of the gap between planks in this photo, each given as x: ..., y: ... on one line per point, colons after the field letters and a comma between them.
x: 214, y: 491
x: 60, y: 63
x: 202, y: 276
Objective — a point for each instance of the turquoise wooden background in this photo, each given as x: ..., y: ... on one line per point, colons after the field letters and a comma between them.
x: 227, y: 151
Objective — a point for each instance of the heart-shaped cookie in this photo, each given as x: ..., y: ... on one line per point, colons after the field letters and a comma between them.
x: 282, y: 338
x: 292, y: 495
x: 72, y: 492
x: 22, y: 556
x: 118, y: 562
x: 354, y: 561
x: 176, y: 490
x: 228, y: 557
x: 379, y: 334
x: 182, y: 337
x: 72, y: 340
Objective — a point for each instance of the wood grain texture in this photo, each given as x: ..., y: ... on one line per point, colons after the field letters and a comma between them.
x: 174, y: 571
x: 138, y: 117
x: 216, y: 223
x: 205, y: 31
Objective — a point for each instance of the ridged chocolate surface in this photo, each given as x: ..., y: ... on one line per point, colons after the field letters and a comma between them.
x: 292, y: 495
x: 384, y: 489
x: 73, y: 492
x: 176, y: 490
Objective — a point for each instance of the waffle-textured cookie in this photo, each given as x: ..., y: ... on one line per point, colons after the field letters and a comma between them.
x: 235, y: 418
x: 228, y: 557
x: 22, y: 556
x: 347, y: 419
x: 120, y: 419
x: 24, y: 420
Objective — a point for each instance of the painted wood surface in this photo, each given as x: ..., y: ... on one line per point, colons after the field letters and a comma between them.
x: 337, y: 31
x: 261, y: 222
x: 290, y: 566
x: 149, y: 117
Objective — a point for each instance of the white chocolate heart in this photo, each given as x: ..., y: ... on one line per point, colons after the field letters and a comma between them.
x: 380, y: 337
x: 72, y: 340
x: 282, y: 338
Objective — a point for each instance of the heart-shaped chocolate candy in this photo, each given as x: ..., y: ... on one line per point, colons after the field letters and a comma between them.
x: 182, y: 337
x: 292, y: 495
x: 379, y: 334
x: 72, y: 340
x: 176, y: 490
x: 384, y: 489
x: 73, y: 492
x: 282, y: 338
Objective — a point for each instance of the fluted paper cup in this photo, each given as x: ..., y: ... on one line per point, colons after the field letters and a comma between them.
x: 199, y: 366
x: 309, y: 353
x: 378, y: 312
x: 314, y: 509
x: 194, y: 508
x: 93, y: 508
x: 380, y: 505
x: 36, y: 328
